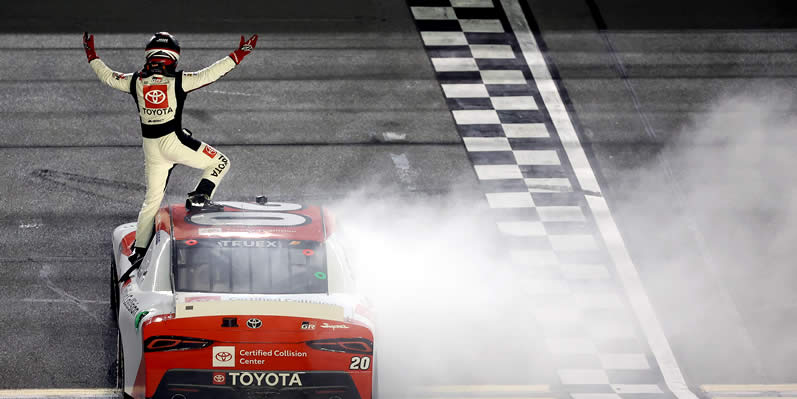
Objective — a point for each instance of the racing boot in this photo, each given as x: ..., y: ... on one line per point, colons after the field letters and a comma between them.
x: 200, y: 202
x: 135, y: 259
x: 137, y: 256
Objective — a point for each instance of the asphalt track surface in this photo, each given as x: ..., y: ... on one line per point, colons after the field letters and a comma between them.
x: 311, y: 115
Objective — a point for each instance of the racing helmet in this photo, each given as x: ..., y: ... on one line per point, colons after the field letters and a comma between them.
x: 163, y: 47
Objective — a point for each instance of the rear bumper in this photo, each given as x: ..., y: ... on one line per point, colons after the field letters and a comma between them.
x: 207, y: 384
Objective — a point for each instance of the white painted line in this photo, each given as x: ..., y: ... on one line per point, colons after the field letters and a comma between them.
x: 496, y: 172
x: 472, y: 3
x: 533, y: 257
x: 74, y: 393
x: 755, y: 397
x: 573, y: 242
x: 523, y: 130
x: 475, y: 116
x: 522, y: 228
x: 537, y: 157
x: 583, y: 376
x: 464, y: 90
x: 481, y: 25
x: 561, y: 214
x: 749, y: 387
x: 636, y: 388
x: 586, y: 178
x: 606, y: 300
x: 595, y: 396
x: 624, y: 361
x: 515, y: 103
x: 548, y: 185
x: 476, y: 144
x: 500, y: 51
x: 454, y: 64
x: 503, y: 77
x: 550, y: 95
x: 433, y: 13
x: 638, y: 298
x: 510, y: 200
x: 584, y: 272
x: 571, y: 346
x: 443, y: 38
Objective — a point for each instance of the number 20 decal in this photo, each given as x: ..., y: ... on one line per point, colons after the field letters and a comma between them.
x: 253, y: 215
x: 360, y: 363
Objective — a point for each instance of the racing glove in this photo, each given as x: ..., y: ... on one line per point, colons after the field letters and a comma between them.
x: 88, y: 45
x: 244, y: 49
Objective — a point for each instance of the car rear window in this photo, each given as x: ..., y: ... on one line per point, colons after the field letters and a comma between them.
x: 256, y: 266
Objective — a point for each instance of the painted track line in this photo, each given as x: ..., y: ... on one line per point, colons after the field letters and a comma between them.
x: 749, y: 391
x: 626, y: 270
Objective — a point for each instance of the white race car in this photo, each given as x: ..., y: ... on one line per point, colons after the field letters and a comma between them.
x: 252, y: 300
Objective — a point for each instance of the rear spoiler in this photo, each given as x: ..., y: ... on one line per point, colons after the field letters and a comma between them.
x: 259, y: 308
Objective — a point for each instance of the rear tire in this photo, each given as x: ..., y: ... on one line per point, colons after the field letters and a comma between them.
x: 120, y: 365
x: 114, y: 292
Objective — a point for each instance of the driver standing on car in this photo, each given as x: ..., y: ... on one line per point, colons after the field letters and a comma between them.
x: 159, y: 91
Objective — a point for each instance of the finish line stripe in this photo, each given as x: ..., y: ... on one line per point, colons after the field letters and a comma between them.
x: 625, y: 268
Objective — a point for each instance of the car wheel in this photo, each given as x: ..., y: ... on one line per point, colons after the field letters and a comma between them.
x: 114, y: 292
x: 120, y: 364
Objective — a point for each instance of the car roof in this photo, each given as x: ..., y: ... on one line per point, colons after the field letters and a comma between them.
x: 272, y: 220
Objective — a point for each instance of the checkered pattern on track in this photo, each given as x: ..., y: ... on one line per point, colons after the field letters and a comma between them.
x: 540, y: 208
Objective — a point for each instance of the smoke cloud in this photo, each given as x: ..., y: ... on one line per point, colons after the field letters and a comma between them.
x: 712, y: 223
x: 442, y: 288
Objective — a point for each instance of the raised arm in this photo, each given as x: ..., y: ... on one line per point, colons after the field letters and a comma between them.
x: 117, y: 80
x: 206, y: 76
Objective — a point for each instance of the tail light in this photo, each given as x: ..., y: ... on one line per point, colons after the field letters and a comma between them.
x: 172, y: 343
x: 348, y: 345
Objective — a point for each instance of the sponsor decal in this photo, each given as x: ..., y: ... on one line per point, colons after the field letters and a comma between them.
x: 333, y: 326
x: 254, y: 323
x: 119, y: 76
x: 257, y: 356
x: 131, y: 304
x: 219, y: 378
x: 210, y: 151
x: 266, y: 379
x: 220, y: 167
x: 156, y: 79
x: 155, y: 96
x: 149, y: 111
x: 191, y: 243
x: 248, y: 243
x: 306, y: 325
x: 223, y: 356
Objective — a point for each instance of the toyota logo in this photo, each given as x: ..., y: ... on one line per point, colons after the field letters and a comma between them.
x: 155, y: 96
x: 218, y: 378
x: 224, y: 356
x: 254, y: 323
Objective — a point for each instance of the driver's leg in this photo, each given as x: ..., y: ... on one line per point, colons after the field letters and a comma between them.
x: 156, y: 170
x: 186, y: 150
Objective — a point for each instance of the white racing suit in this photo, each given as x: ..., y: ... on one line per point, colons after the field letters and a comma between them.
x: 160, y: 101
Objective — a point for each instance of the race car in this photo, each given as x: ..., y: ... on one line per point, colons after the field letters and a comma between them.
x: 244, y: 300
